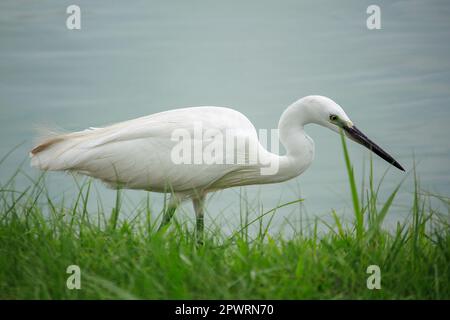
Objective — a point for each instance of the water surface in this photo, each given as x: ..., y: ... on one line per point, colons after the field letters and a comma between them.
x: 134, y: 59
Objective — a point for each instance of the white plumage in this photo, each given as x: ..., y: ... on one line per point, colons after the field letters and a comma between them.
x: 136, y: 154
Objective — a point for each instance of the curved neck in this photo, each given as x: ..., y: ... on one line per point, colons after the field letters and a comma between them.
x: 299, y: 146
x: 291, y: 126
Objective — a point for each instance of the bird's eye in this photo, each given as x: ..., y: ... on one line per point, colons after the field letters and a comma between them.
x: 333, y: 117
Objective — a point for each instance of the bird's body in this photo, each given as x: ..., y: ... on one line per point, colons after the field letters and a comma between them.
x: 139, y: 153
x: 136, y: 154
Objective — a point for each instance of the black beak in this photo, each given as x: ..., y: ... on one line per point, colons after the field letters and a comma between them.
x: 356, y: 135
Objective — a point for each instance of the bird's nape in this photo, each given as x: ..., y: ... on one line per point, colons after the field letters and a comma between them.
x: 356, y: 135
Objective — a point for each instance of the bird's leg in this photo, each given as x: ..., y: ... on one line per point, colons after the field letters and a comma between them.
x: 170, y: 210
x: 198, y: 203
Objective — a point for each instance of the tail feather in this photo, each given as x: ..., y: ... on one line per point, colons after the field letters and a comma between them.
x: 45, y: 145
x: 59, y: 152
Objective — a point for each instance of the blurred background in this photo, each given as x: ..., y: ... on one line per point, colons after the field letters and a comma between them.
x: 136, y: 58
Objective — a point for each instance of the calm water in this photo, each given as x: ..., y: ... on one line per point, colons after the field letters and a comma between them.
x: 258, y: 57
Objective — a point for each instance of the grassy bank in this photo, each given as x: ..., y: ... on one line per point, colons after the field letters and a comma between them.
x: 129, y: 259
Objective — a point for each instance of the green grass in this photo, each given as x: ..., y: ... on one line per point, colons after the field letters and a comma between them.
x: 123, y: 259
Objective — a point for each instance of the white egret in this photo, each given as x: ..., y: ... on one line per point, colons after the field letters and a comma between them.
x: 138, y: 154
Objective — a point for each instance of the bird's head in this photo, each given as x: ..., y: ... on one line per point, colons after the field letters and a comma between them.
x: 325, y: 112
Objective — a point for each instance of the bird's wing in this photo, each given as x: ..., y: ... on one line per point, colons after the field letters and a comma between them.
x: 139, y: 153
